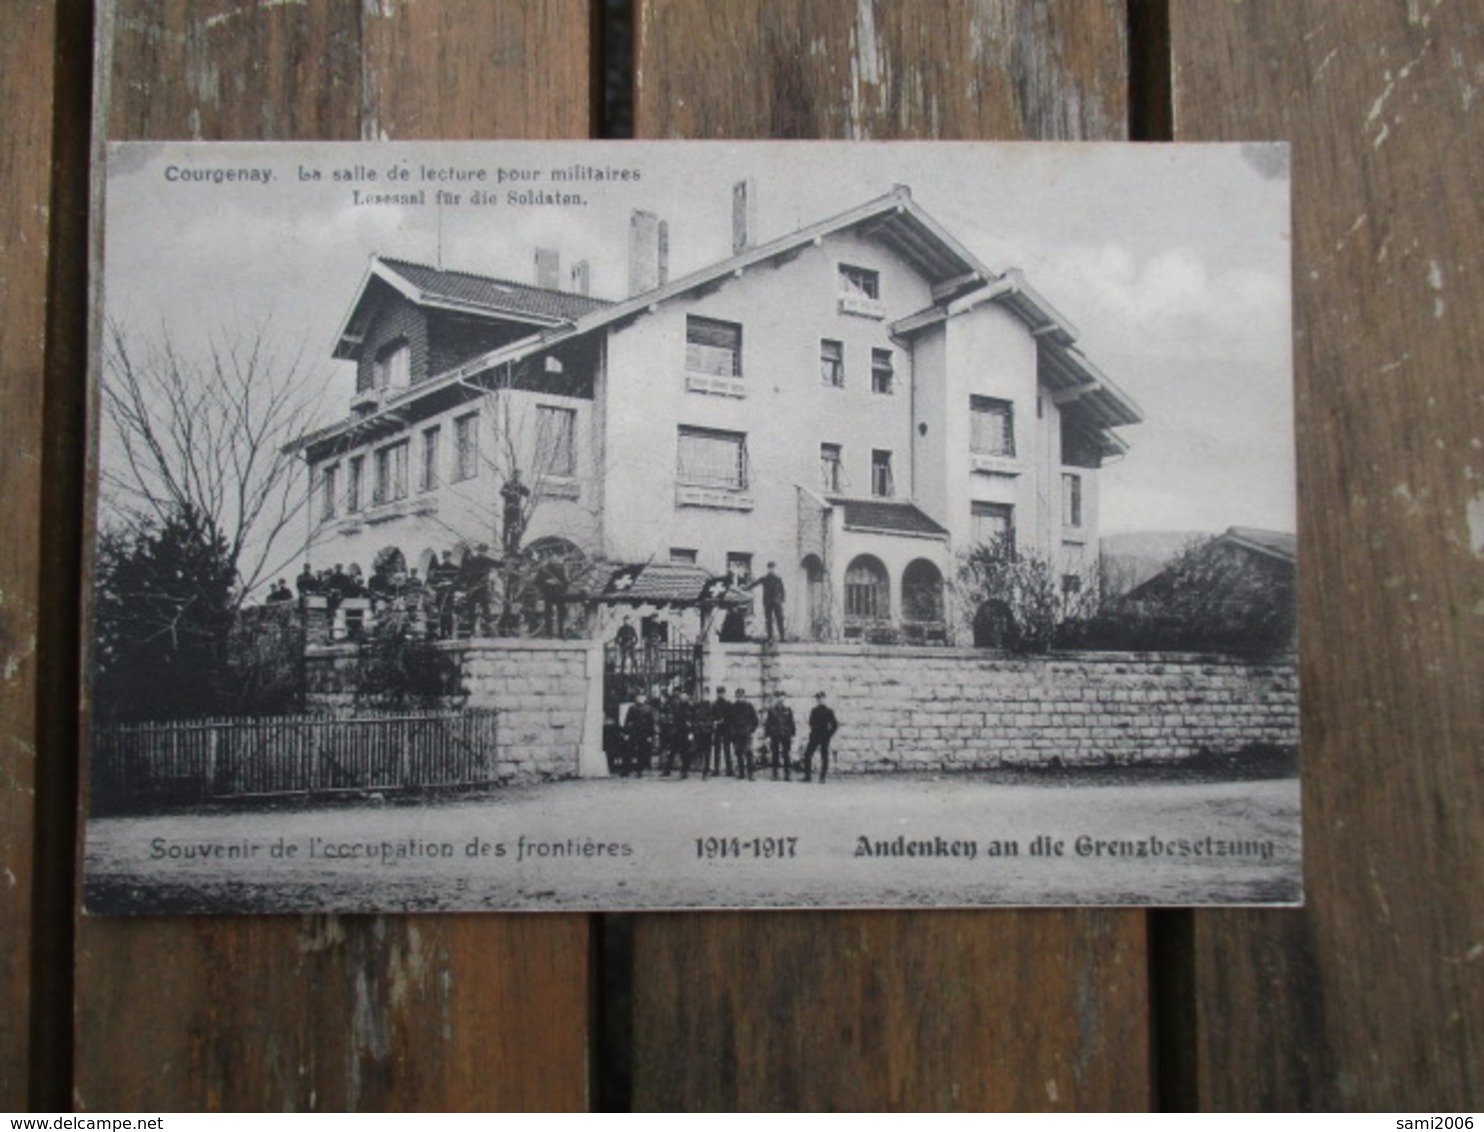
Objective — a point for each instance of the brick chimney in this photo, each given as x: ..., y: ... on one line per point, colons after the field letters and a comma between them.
x: 649, y: 252
x: 548, y: 269
x: 744, y: 215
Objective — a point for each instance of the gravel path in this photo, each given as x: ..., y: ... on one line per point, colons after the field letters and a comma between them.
x: 620, y: 844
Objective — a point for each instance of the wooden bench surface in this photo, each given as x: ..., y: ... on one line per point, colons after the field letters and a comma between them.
x: 1371, y: 997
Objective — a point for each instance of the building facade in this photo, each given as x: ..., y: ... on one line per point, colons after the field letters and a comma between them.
x: 859, y: 402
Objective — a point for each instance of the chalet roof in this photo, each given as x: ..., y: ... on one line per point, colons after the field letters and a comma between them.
x: 954, y: 273
x: 461, y: 291
x: 493, y: 294
x: 890, y: 516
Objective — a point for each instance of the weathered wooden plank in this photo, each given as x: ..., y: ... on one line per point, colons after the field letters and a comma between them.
x: 1008, y: 69
x: 912, y: 1009
x: 1373, y: 996
x: 27, y: 54
x: 341, y: 1012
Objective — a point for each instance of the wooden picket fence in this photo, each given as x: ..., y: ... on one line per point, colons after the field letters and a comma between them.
x: 195, y: 761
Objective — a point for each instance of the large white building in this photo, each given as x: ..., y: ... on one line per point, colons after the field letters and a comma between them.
x: 859, y: 401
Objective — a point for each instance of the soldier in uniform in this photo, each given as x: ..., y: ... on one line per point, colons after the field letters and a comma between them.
x: 744, y: 726
x: 822, y: 727
x: 639, y: 726
x: 721, y: 733
x: 704, y: 730
x: 779, y: 727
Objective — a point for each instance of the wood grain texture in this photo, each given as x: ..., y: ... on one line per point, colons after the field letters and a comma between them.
x: 890, y: 1010
x: 1373, y: 996
x: 27, y: 49
x: 1007, y: 69
x: 373, y: 1012
x: 1036, y: 1009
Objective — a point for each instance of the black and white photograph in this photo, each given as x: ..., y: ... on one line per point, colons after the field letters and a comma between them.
x: 615, y: 526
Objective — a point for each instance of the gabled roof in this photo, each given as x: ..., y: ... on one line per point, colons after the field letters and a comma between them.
x: 956, y: 275
x: 1282, y: 545
x: 889, y: 516
x: 461, y: 291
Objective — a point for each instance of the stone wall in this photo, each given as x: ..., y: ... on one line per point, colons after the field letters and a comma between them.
x: 548, y: 694
x: 959, y: 709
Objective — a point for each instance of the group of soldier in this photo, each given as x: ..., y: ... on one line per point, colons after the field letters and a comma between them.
x: 676, y: 733
x: 452, y: 591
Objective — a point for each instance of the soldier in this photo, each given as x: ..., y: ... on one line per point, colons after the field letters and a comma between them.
x: 686, y: 744
x: 779, y: 727
x: 473, y: 579
x: 627, y: 640
x: 773, y: 594
x: 721, y: 734
x: 822, y: 726
x: 744, y: 726
x: 441, y: 577
x: 705, y: 732
x: 639, y: 728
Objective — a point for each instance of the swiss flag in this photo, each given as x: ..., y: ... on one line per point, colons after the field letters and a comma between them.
x: 716, y: 588
x: 623, y: 579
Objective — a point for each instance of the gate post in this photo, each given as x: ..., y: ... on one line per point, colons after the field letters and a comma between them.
x: 591, y: 762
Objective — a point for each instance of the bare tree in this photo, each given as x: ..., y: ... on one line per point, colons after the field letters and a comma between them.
x: 526, y: 460
x: 205, y: 433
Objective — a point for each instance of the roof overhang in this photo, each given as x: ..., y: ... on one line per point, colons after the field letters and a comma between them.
x: 351, y: 338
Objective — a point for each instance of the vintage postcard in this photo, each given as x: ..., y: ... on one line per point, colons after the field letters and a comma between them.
x: 553, y: 526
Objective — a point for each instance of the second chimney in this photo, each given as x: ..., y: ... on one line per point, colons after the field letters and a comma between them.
x: 744, y: 215
x: 649, y: 252
x: 582, y: 279
x: 548, y: 269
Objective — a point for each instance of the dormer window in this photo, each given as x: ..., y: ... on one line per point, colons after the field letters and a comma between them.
x: 859, y: 281
x: 713, y: 347
x: 859, y: 289
x: 393, y: 365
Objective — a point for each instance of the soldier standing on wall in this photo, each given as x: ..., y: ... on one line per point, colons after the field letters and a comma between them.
x: 822, y: 727
x: 773, y: 594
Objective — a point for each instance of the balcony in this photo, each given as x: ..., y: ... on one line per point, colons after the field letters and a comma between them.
x: 862, y: 306
x: 720, y: 499
x: 714, y: 384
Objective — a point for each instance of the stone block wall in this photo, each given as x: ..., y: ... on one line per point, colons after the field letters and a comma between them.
x: 548, y: 695
x: 960, y: 709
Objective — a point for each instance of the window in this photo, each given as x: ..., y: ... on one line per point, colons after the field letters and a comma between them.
x: 830, y: 468
x: 991, y: 426
x: 739, y: 566
x: 712, y: 458
x: 391, y: 473
x: 713, y: 347
x: 859, y: 282
x: 883, y: 378
x: 881, y: 481
x: 831, y: 362
x: 867, y: 590
x: 393, y: 366
x: 327, y: 483
x: 1071, y: 584
x: 992, y: 524
x: 1071, y: 499
x: 683, y: 555
x: 427, y: 478
x: 556, y: 434
x: 354, y: 490
x: 466, y: 447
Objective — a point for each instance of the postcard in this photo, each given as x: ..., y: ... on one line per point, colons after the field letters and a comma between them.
x: 616, y: 526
